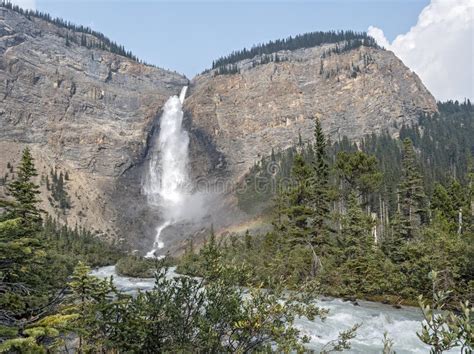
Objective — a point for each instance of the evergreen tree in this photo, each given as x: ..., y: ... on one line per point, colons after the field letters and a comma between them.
x: 293, y: 219
x: 25, y: 193
x: 24, y: 291
x: 356, y: 229
x: 360, y: 172
x: 460, y: 201
x: 361, y: 267
x: 298, y: 212
x: 248, y: 240
x: 59, y: 192
x: 320, y: 199
x: 470, y: 194
x: 441, y: 202
x: 90, y: 298
x: 321, y: 167
x: 279, y: 205
x: 412, y: 202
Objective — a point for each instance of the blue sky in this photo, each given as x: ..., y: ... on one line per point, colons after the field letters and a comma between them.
x: 187, y: 36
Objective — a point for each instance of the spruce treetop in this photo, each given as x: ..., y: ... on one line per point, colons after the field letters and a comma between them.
x: 25, y: 192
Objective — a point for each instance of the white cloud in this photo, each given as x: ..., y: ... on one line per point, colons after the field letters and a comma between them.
x: 439, y: 48
x: 25, y: 4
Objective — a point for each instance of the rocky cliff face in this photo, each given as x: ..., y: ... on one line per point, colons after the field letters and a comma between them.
x: 85, y: 111
x: 362, y: 91
x: 93, y: 114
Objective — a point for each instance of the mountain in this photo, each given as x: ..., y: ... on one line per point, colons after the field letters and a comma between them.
x: 88, y: 109
x: 357, y: 92
x: 85, y: 111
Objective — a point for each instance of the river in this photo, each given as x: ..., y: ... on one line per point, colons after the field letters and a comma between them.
x: 376, y: 319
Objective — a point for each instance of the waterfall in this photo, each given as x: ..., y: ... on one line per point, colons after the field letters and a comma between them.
x: 167, y: 184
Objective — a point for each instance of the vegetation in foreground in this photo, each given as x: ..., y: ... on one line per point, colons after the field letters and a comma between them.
x: 37, y: 256
x: 45, y: 308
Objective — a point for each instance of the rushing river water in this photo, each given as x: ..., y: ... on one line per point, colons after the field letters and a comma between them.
x: 376, y: 319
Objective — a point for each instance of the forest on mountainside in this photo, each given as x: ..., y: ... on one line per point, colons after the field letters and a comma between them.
x: 352, y: 40
x: 443, y: 144
x: 368, y: 220
x: 77, y: 34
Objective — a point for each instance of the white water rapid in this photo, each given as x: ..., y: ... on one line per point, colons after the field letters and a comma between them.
x: 375, y: 319
x: 167, y: 184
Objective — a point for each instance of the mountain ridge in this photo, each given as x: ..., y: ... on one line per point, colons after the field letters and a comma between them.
x: 353, y: 93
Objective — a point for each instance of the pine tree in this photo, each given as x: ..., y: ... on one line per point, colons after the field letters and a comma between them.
x: 297, y: 227
x: 248, y: 240
x: 59, y: 192
x: 320, y: 200
x: 280, y: 203
x: 362, y: 266
x: 442, y: 203
x: 360, y: 172
x: 470, y: 193
x: 24, y: 284
x: 90, y: 297
x: 298, y: 212
x: 25, y: 192
x: 321, y: 166
x: 356, y: 229
x: 459, y: 196
x: 412, y: 194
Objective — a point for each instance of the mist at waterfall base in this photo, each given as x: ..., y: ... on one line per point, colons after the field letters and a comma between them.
x: 167, y: 185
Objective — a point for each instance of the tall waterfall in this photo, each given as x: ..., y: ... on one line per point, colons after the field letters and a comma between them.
x: 167, y: 185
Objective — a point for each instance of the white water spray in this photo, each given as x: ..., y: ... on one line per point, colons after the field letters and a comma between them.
x: 167, y: 185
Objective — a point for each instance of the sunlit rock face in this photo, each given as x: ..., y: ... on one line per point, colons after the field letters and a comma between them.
x: 363, y: 91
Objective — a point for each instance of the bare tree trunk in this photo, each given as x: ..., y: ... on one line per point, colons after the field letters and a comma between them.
x: 398, y: 201
x: 460, y: 221
x: 316, y: 264
x: 382, y: 215
x: 374, y: 228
